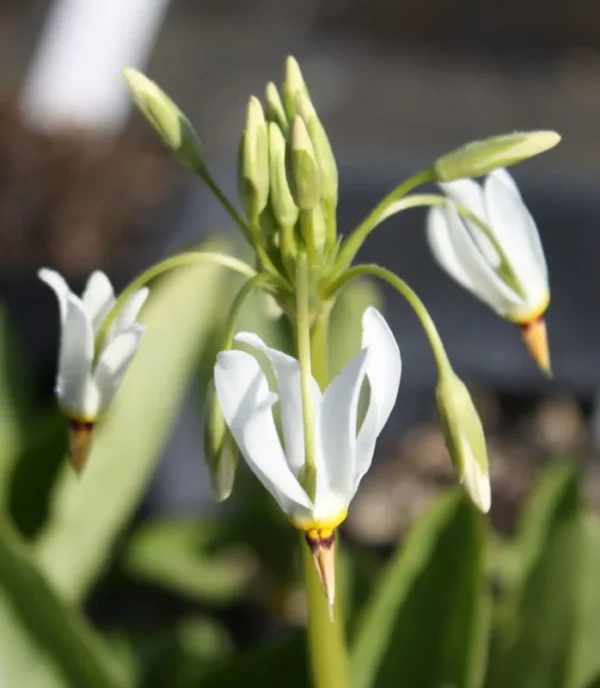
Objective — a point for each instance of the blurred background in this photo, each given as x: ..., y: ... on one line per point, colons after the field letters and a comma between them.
x: 84, y: 185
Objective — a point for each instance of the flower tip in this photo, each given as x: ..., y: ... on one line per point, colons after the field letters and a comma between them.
x: 321, y: 546
x: 477, y: 484
x: 535, y: 337
x: 80, y: 443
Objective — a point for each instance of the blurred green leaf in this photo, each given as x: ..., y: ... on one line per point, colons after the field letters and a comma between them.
x: 180, y: 555
x: 547, y: 629
x: 426, y: 623
x: 15, y: 404
x: 89, y: 512
x: 345, y: 328
x: 179, y: 656
x: 44, y: 643
x: 276, y: 664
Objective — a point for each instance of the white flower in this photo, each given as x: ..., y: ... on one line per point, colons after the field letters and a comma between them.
x: 343, y: 453
x: 469, y: 256
x: 87, y: 380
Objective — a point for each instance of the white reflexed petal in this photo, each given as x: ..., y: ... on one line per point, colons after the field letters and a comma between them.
x: 113, y: 364
x: 75, y: 389
x: 244, y: 395
x: 384, y: 369
x: 98, y: 297
x: 130, y: 311
x: 338, y: 430
x: 515, y: 229
x: 487, y: 285
x: 287, y: 371
x: 58, y: 284
x: 476, y: 481
x: 442, y: 247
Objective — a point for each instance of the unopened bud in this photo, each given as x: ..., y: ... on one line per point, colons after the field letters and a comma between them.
x: 282, y: 202
x: 167, y: 120
x: 480, y: 157
x: 254, y: 160
x: 464, y: 437
x: 322, y: 148
x: 293, y: 84
x: 275, y: 110
x: 220, y: 450
x: 305, y: 177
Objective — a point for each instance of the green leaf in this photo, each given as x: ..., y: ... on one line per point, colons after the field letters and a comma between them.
x: 546, y: 630
x: 15, y: 404
x: 45, y: 643
x: 281, y: 663
x: 179, y: 554
x: 89, y: 512
x: 426, y: 623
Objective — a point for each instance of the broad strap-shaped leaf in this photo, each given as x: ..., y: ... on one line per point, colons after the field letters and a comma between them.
x: 426, y: 622
x: 180, y: 555
x: 547, y: 630
x: 43, y: 642
x: 88, y: 512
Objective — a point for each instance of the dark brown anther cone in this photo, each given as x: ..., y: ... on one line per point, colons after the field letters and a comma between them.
x: 80, y: 443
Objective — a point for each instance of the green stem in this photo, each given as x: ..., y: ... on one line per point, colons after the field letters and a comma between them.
x: 414, y: 301
x: 237, y: 305
x: 326, y: 641
x: 261, y: 251
x: 235, y: 215
x: 304, y: 358
x: 353, y: 243
x: 176, y: 261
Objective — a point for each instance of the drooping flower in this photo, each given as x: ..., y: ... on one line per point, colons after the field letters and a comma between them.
x: 507, y: 271
x: 87, y: 380
x: 343, y: 446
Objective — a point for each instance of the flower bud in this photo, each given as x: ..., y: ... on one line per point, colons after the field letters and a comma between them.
x: 322, y: 148
x: 282, y: 202
x: 480, y: 157
x: 293, y: 84
x: 275, y: 110
x: 464, y: 437
x: 313, y: 227
x: 220, y: 450
x: 304, y: 171
x: 171, y: 125
x: 254, y: 160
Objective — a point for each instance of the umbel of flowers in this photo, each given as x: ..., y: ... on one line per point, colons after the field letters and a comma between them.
x: 312, y: 453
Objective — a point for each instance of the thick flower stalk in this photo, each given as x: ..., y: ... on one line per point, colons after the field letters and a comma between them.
x: 314, y: 496
x: 90, y: 372
x: 494, y: 251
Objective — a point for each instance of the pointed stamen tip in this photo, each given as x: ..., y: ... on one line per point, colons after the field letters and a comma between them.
x: 80, y: 443
x: 321, y: 544
x: 535, y: 337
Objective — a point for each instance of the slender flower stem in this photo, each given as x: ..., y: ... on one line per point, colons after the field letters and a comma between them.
x: 353, y: 243
x: 326, y: 641
x: 304, y: 357
x: 176, y: 261
x: 257, y: 281
x: 414, y: 301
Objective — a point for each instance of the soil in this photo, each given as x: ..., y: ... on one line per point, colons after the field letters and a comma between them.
x: 75, y: 201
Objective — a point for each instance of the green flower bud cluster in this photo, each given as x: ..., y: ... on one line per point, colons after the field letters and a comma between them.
x: 288, y: 178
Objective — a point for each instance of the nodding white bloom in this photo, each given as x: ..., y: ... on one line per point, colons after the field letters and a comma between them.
x: 88, y: 380
x: 513, y: 281
x: 343, y: 451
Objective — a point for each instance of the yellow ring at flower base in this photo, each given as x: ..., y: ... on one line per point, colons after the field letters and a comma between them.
x: 326, y: 526
x: 533, y: 314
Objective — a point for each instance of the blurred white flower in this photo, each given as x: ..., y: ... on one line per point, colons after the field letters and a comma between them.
x: 88, y: 380
x: 343, y: 451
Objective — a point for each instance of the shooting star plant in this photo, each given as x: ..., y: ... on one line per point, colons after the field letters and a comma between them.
x: 288, y: 192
